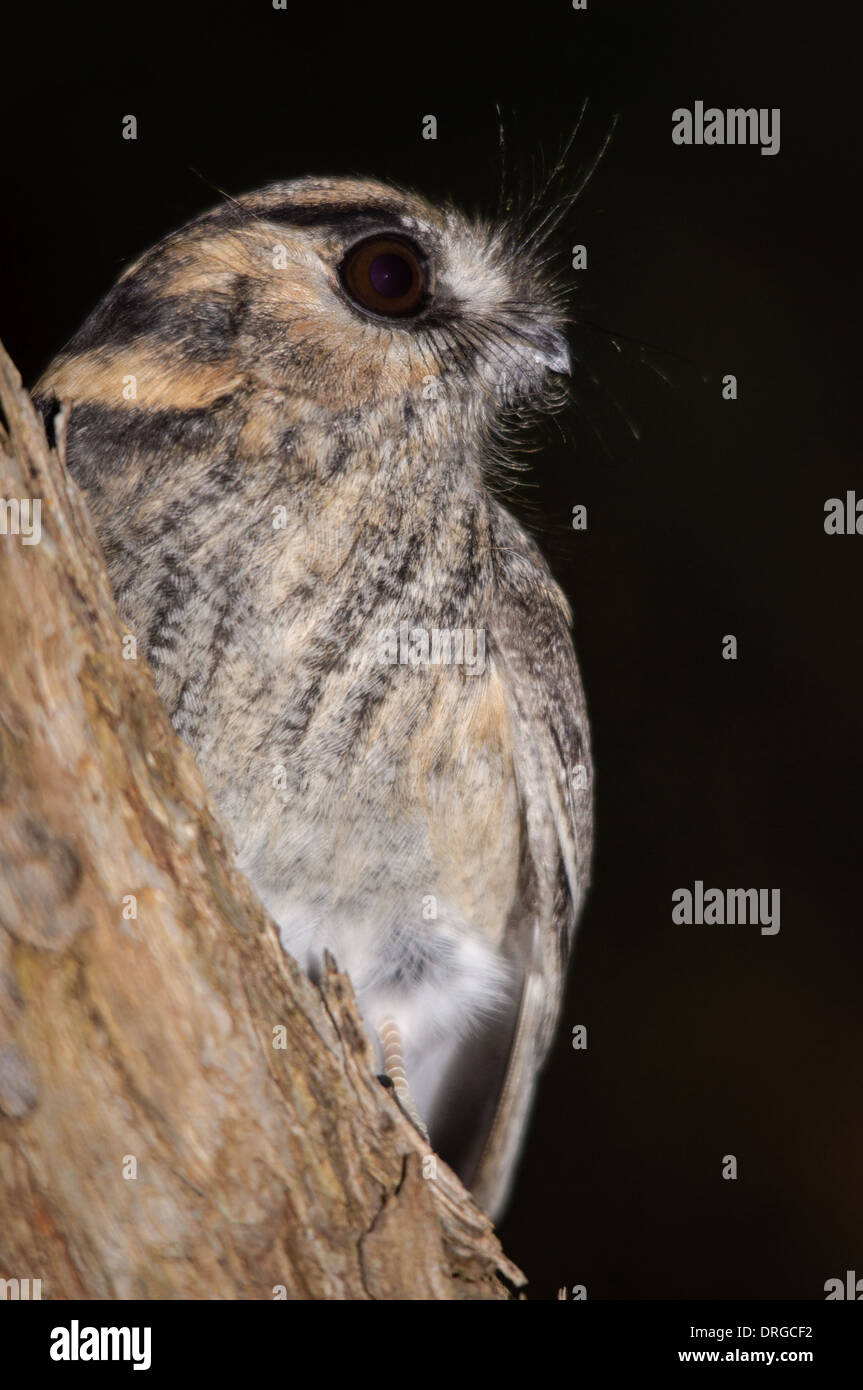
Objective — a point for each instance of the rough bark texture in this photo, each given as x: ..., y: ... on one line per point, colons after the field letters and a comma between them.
x: 151, y: 1038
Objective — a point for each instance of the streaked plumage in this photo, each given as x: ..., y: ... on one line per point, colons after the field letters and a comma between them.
x: 293, y: 476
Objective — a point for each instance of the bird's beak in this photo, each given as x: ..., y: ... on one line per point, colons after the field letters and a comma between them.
x: 551, y: 350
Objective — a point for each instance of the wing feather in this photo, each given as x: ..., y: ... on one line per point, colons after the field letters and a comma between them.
x: 531, y: 641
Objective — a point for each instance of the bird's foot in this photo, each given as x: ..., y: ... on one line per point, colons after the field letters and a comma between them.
x: 394, y: 1076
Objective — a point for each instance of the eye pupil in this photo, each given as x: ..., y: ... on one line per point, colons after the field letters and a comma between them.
x: 390, y: 275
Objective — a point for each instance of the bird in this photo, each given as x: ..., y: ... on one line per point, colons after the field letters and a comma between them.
x: 289, y: 419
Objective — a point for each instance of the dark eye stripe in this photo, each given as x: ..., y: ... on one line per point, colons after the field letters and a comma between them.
x: 327, y: 214
x: 199, y: 328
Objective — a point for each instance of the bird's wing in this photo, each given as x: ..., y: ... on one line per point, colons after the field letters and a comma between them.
x: 531, y: 642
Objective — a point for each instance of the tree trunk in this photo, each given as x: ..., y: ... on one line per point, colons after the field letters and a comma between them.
x: 183, y: 1114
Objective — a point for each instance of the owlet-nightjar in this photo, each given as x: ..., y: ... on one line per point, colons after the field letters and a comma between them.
x: 285, y: 417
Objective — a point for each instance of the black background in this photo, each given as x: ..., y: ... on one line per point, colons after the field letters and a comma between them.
x: 703, y: 1041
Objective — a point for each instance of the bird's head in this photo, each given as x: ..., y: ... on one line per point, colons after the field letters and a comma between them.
x: 339, y: 293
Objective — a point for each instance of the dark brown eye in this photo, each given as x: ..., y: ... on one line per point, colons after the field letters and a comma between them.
x: 385, y: 276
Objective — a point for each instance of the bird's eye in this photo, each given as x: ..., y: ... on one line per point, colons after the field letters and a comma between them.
x: 385, y: 276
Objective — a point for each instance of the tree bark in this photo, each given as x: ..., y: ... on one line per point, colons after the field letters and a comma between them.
x: 183, y: 1114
